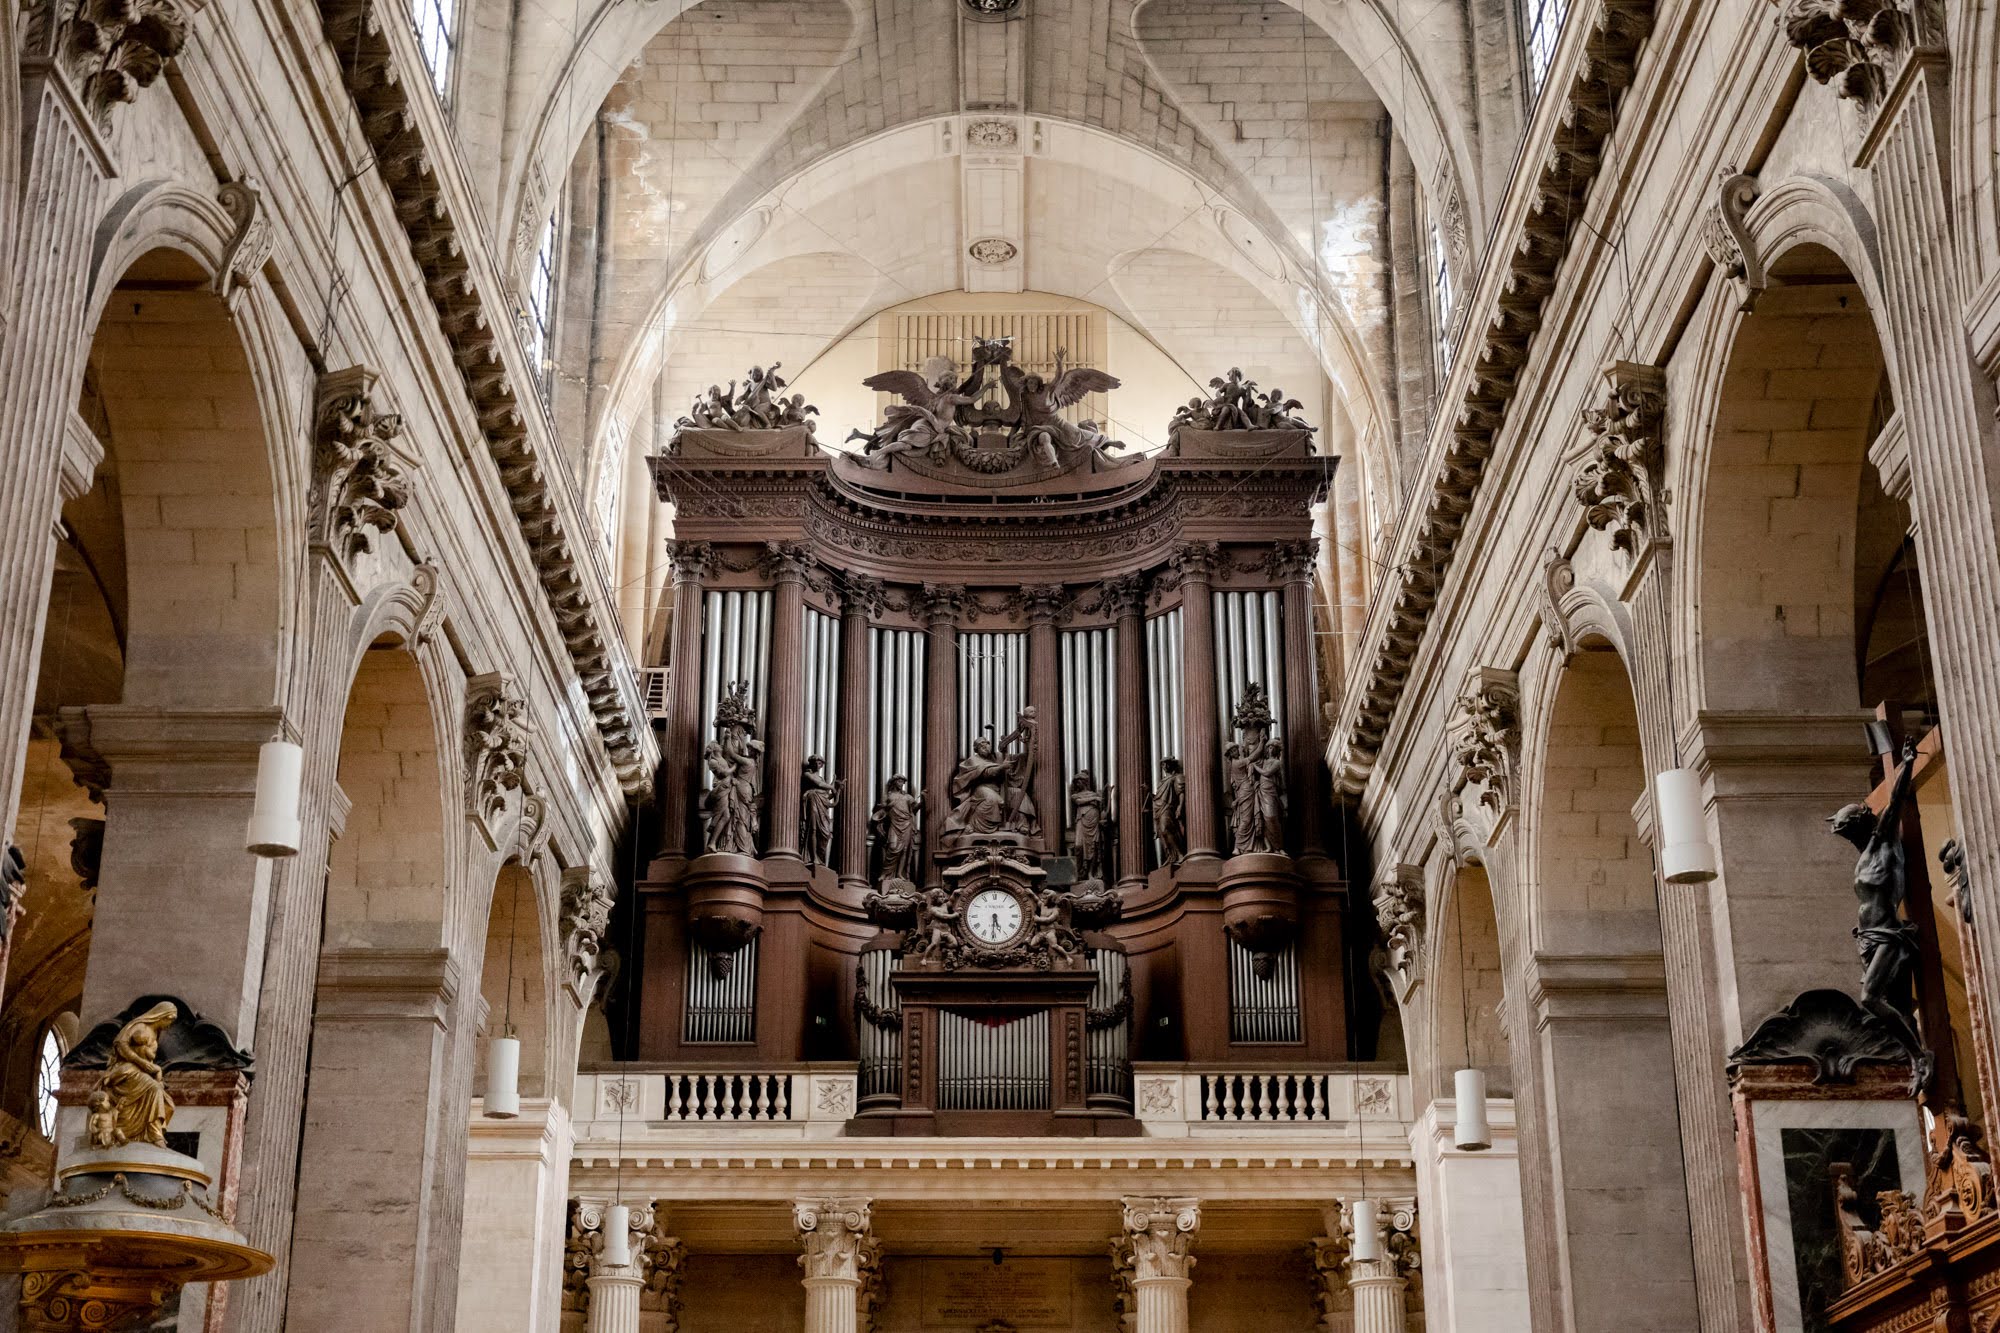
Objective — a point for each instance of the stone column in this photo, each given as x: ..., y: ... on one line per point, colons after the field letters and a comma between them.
x: 834, y: 1235
x: 860, y: 597
x: 1162, y: 1233
x: 1377, y: 1289
x: 784, y: 714
x: 1045, y: 603
x: 1127, y: 598
x: 1304, y: 749
x: 940, y: 607
x: 682, y: 742
x: 1195, y: 563
x: 610, y: 1295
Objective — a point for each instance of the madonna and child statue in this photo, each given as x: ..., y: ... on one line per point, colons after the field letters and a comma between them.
x: 989, y: 789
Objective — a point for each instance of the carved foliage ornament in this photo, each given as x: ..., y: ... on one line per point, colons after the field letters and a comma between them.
x: 992, y: 135
x: 249, y: 246
x: 361, y: 475
x: 1726, y: 235
x: 1619, y: 482
x: 586, y: 916
x: 1849, y: 45
x: 1486, y: 736
x: 1399, y: 912
x: 993, y: 250
x: 113, y: 48
x: 496, y: 746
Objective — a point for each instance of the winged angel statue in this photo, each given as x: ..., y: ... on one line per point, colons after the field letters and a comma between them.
x: 942, y: 417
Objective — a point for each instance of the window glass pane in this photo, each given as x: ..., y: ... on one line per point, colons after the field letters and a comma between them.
x: 541, y: 302
x: 433, y: 21
x: 1442, y: 297
x: 48, y: 1077
x: 1541, y: 25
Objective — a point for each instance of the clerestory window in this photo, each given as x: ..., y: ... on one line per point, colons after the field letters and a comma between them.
x: 436, y: 25
x: 1541, y: 26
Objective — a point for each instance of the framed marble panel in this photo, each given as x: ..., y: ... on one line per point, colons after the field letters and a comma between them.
x: 1796, y: 1142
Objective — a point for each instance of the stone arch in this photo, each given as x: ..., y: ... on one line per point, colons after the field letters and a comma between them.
x: 1614, y: 1205
x: 1468, y: 1023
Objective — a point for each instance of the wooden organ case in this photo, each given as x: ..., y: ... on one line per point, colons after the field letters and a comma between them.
x: 992, y: 759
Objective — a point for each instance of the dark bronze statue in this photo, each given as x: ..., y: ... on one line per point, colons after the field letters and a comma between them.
x: 1887, y: 941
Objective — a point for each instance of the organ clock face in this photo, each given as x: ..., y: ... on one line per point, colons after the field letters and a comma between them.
x: 993, y: 916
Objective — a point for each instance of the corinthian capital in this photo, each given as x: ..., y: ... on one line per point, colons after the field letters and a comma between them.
x: 1195, y: 561
x: 834, y: 1234
x: 1162, y: 1233
x: 361, y: 474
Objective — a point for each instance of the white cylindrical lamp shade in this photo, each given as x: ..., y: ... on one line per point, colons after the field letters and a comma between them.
x: 1686, y: 855
x: 274, y: 818
x: 1469, y: 1130
x: 617, y: 1251
x: 1367, y: 1231
x: 503, y: 1078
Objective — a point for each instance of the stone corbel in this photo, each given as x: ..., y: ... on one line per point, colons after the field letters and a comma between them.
x: 1485, y: 738
x: 1890, y: 456
x: 1726, y: 235
x: 496, y: 753
x: 1558, y: 580
x: 1400, y: 914
x: 361, y: 474
x: 586, y: 918
x: 249, y: 246
x: 1621, y: 478
x: 82, y: 455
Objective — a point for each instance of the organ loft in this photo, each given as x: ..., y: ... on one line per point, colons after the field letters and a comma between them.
x: 991, y: 751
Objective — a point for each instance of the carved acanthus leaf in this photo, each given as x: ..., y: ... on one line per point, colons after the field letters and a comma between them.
x: 1486, y: 736
x: 1399, y: 913
x: 114, y: 48
x: 361, y: 475
x: 1849, y: 45
x: 1162, y: 1232
x: 496, y: 747
x: 585, y: 918
x: 249, y: 246
x: 832, y: 1232
x: 1558, y: 577
x: 1620, y: 481
x: 1725, y: 233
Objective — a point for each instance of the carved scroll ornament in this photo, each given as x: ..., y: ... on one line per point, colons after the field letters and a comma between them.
x: 361, y: 475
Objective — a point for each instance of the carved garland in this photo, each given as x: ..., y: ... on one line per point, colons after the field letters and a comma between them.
x: 496, y: 747
x: 361, y: 476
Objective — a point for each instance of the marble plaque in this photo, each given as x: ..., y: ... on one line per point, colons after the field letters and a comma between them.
x: 966, y: 1293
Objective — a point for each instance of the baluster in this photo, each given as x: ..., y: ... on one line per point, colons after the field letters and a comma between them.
x: 673, y: 1096
x: 1259, y: 1086
x: 781, y: 1107
x: 762, y: 1111
x: 1288, y: 1097
x: 706, y: 1096
x: 1210, y: 1109
x: 1233, y: 1096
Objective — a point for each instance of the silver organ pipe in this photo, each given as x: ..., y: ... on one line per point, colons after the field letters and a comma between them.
x: 1090, y: 708
x: 1263, y: 1008
x: 736, y: 645
x: 720, y: 1008
x: 992, y: 684
x: 895, y: 709
x: 1109, y: 1041
x: 1164, y: 698
x: 1249, y: 634
x: 993, y: 1067
x: 881, y: 1038
x: 822, y: 687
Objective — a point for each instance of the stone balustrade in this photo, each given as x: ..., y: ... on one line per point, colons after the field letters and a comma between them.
x: 806, y: 1101
x: 1175, y: 1100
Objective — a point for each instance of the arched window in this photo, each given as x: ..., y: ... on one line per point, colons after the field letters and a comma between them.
x: 540, y: 323
x: 48, y: 1078
x: 1541, y: 26
x: 1444, y: 299
x: 436, y: 24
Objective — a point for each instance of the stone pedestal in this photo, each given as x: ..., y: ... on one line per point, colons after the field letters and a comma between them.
x: 516, y: 1185
x: 1162, y: 1234
x: 1475, y: 1270
x: 834, y: 1236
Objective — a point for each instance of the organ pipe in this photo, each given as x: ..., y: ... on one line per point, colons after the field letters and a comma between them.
x: 720, y: 1008
x: 1263, y: 1008
x: 822, y: 701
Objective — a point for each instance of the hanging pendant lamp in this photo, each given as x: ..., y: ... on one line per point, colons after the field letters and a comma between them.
x: 503, y: 1077
x: 1367, y: 1232
x: 1470, y: 1131
x: 617, y: 1251
x: 1686, y: 855
x: 274, y: 818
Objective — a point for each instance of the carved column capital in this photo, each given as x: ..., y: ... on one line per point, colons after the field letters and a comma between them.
x: 496, y: 749
x: 586, y: 915
x: 940, y: 604
x: 1195, y: 562
x: 786, y: 562
x: 1485, y: 734
x: 1400, y: 915
x: 1851, y: 48
x: 693, y: 561
x: 1126, y: 595
x: 1162, y: 1233
x: 583, y: 1249
x: 1293, y: 561
x: 860, y: 595
x: 833, y: 1233
x: 114, y: 48
x: 361, y: 475
x: 1619, y: 479
x: 1044, y: 602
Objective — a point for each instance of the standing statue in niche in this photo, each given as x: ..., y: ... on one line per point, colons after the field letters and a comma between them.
x: 1887, y: 942
x: 735, y: 762
x: 991, y: 792
x: 1086, y: 830
x: 1254, y: 776
x: 894, y: 826
x: 818, y: 797
x: 130, y: 1103
x: 1169, y: 805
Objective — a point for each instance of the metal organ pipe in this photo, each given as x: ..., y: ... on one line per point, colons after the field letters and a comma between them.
x: 984, y: 1067
x: 896, y: 709
x: 992, y: 684
x: 1249, y: 629
x: 1263, y: 1008
x: 720, y: 1008
x: 822, y: 647
x: 1090, y: 709
x: 1163, y: 671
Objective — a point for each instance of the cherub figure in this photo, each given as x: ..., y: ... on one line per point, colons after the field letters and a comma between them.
x: 937, y: 923
x: 1046, y: 929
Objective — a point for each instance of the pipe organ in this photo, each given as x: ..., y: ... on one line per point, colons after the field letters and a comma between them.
x: 1069, y: 801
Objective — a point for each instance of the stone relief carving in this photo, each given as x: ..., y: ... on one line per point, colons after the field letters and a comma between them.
x: 1158, y: 1096
x: 1124, y: 1295
x: 1621, y: 481
x: 874, y: 1293
x: 1726, y: 235
x: 1850, y: 45
x: 1162, y: 1233
x: 757, y: 405
x: 585, y: 918
x: 1235, y: 404
x: 992, y: 135
x: 361, y: 475
x: 1485, y: 736
x: 1399, y: 913
x: 114, y: 48
x: 249, y: 247
x: 1558, y: 577
x: 1333, y: 1299
x: 1254, y: 774
x: 496, y: 747
x: 993, y: 250
x: 664, y: 1263
x: 993, y: 421
x: 832, y: 1232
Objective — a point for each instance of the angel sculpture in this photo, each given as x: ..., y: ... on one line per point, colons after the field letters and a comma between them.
x: 925, y: 421
x: 1040, y: 403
